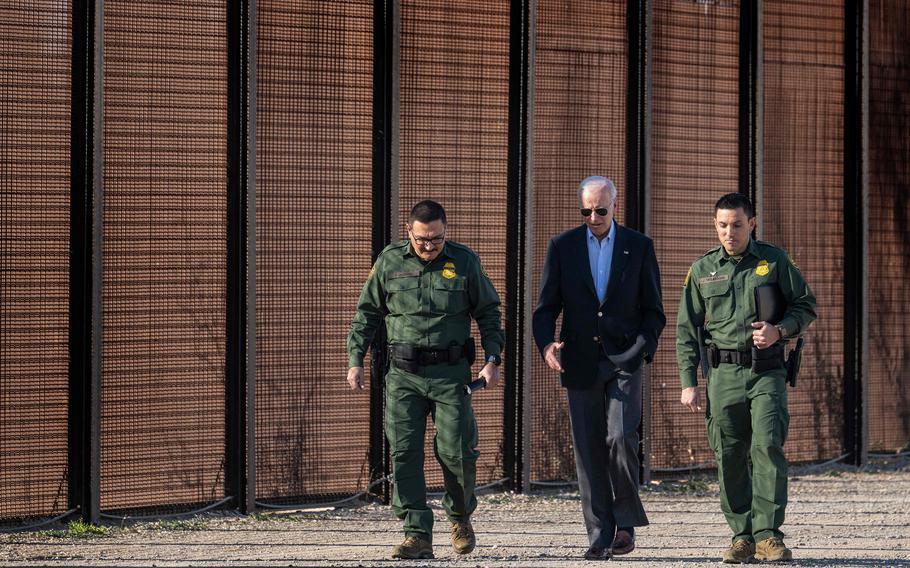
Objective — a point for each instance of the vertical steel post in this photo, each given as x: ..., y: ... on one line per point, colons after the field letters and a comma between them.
x: 240, y: 444
x: 384, y: 37
x: 636, y: 113
x: 637, y: 188
x: 855, y: 227
x: 84, y: 457
x: 518, y: 241
x: 748, y: 97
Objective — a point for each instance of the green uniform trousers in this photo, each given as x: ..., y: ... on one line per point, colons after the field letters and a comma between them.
x: 439, y: 392
x: 747, y: 420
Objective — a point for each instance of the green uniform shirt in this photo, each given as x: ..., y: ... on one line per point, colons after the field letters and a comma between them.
x: 426, y: 304
x: 718, y: 293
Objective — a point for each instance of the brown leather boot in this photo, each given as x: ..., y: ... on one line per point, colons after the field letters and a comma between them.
x: 740, y: 553
x: 413, y: 547
x: 772, y: 550
x: 463, y: 540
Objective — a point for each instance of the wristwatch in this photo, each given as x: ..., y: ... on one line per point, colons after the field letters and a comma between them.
x: 781, y: 330
x: 495, y: 359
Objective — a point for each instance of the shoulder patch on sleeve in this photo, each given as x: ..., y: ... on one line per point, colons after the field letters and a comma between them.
x: 709, y: 251
x: 781, y: 253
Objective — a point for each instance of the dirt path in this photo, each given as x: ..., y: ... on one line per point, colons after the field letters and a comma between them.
x: 837, y: 517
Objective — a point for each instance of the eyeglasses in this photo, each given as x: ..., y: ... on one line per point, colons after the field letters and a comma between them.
x: 602, y: 211
x: 422, y: 241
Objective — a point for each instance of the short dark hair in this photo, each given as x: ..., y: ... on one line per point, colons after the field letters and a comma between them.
x: 427, y: 211
x: 735, y: 201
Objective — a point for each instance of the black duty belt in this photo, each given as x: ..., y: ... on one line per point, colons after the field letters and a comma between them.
x: 759, y: 360
x: 716, y: 356
x: 411, y: 357
x: 424, y: 356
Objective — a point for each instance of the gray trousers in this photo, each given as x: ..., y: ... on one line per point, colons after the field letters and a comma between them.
x: 605, y: 421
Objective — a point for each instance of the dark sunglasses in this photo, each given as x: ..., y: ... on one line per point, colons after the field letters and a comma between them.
x: 422, y: 241
x: 602, y: 211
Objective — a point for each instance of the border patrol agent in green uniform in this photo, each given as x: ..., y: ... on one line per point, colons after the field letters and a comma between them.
x: 747, y: 413
x: 427, y: 290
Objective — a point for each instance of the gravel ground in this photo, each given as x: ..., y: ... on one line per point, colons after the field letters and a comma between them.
x: 838, y: 516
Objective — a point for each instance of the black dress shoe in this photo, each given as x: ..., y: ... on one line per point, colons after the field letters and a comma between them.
x: 624, y: 543
x: 598, y: 553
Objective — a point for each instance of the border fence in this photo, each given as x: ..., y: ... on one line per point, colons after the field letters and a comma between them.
x: 192, y: 194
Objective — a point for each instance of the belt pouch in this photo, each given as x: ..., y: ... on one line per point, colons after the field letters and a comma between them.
x: 764, y: 360
x: 405, y: 357
x: 455, y: 352
x: 713, y: 356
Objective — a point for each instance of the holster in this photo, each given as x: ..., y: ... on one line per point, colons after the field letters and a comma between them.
x: 793, y: 362
x: 704, y: 360
x: 764, y: 360
x: 469, y: 351
x: 713, y: 354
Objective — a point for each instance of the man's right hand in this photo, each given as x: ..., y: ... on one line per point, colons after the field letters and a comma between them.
x: 355, y: 378
x: 691, y: 399
x: 551, y: 355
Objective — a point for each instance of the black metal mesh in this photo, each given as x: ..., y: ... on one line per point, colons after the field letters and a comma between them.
x: 888, y: 295
x: 693, y: 162
x: 313, y: 239
x: 164, y: 248
x: 579, y: 130
x: 803, y: 195
x: 453, y: 148
x: 35, y: 44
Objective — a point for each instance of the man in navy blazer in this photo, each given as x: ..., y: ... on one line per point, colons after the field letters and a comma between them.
x: 604, y: 280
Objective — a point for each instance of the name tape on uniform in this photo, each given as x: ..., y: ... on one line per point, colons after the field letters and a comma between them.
x: 715, y: 278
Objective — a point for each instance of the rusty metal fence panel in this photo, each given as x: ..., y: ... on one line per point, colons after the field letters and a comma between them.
x: 35, y: 50
x: 888, y: 295
x: 164, y: 117
x: 695, y: 76
x: 453, y: 148
x: 802, y: 200
x: 579, y: 130
x: 313, y: 206
x: 164, y: 247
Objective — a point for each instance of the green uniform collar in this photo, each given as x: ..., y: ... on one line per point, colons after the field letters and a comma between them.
x: 751, y: 248
x: 409, y: 251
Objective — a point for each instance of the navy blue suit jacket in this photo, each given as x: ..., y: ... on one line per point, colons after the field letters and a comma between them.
x: 632, y: 305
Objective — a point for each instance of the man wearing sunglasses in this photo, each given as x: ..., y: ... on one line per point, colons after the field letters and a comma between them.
x: 604, y: 279
x: 427, y: 289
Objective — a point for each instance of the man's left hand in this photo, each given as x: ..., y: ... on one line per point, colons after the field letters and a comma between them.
x: 764, y: 334
x: 490, y: 373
